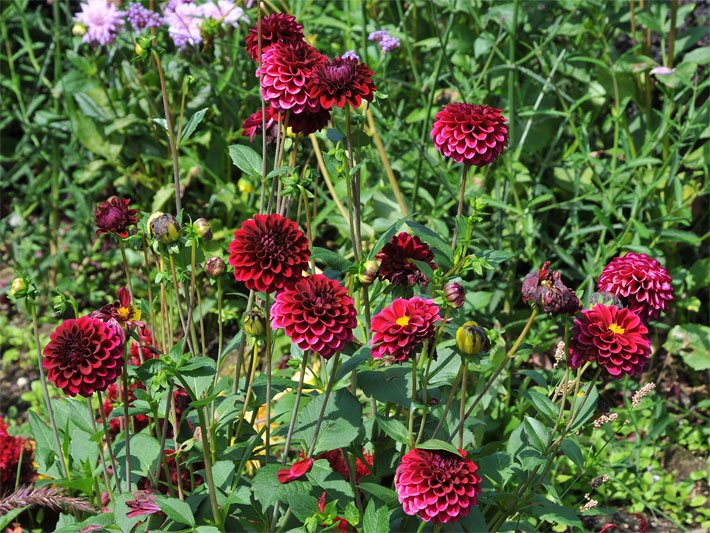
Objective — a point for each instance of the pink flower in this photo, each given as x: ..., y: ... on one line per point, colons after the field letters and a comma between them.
x: 102, y: 19
x: 398, y: 330
x: 184, y: 25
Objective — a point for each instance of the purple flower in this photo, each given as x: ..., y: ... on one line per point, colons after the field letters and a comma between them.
x: 102, y: 20
x: 141, y: 17
x: 350, y: 54
x: 377, y: 36
x: 224, y: 11
x: 662, y: 71
x: 184, y: 25
x: 143, y: 504
x: 384, y: 40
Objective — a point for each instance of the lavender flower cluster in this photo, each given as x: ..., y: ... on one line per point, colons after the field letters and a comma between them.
x: 100, y: 21
x: 384, y: 40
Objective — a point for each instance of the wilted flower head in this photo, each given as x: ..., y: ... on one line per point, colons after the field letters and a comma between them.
x: 275, y: 28
x: 268, y: 253
x: 143, y: 503
x: 164, y: 227
x: 470, y: 134
x: 546, y: 289
x: 397, y: 260
x: 472, y: 339
x: 641, y: 282
x: 214, y: 267
x: 141, y: 17
x: 308, y: 121
x: 339, y: 463
x: 616, y: 339
x: 317, y: 314
x: 115, y: 216
x: 437, y: 485
x: 401, y: 328
x: 102, y: 20
x: 83, y: 355
x: 340, y: 82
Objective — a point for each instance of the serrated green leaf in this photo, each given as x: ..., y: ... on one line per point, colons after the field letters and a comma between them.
x: 436, y: 444
x: 176, y: 510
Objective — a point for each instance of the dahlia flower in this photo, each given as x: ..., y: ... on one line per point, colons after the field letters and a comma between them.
x: 641, y: 282
x: 341, y: 81
x: 295, y: 471
x: 268, y: 253
x: 83, y: 355
x: 143, y: 503
x: 308, y: 121
x: 398, y: 330
x: 438, y: 486
x: 546, y: 289
x: 184, y: 24
x: 115, y: 216
x: 253, y: 124
x: 285, y: 70
x: 397, y: 260
x: 102, y: 20
x: 11, y: 448
x: 338, y: 462
x: 317, y: 314
x: 121, y: 311
x: 615, y: 338
x: 141, y: 17
x: 470, y: 134
x: 275, y: 28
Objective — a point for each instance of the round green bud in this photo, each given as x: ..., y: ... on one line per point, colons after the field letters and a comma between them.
x: 18, y: 289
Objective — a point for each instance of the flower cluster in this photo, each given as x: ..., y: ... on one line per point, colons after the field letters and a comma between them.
x: 384, y: 40
x: 16, y: 454
x: 141, y: 17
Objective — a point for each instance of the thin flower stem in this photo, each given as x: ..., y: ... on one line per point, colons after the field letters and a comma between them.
x: 150, y: 291
x: 206, y: 455
x: 45, y: 393
x: 353, y: 181
x: 126, y: 423
x: 459, y: 210
x: 176, y: 444
x: 92, y: 419
x: 262, y: 194
x: 328, y: 389
x: 326, y: 177
x: 185, y: 330
x: 122, y: 247
x: 171, y: 133
x: 413, y: 399
x: 164, y: 435
x: 425, y: 411
x: 220, y: 337
x: 267, y: 363
x: 252, y: 372
x: 462, y: 405
x: 107, y: 436
x: 450, y: 400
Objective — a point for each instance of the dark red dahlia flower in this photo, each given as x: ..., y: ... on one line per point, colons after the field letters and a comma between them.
x: 147, y: 351
x: 307, y: 122
x: 341, y: 81
x: 398, y: 330
x: 115, y: 216
x: 295, y: 471
x: 275, y: 28
x: 397, y: 260
x: 269, y: 253
x: 438, y: 486
x: 143, y: 503
x: 285, y: 70
x: 338, y: 462
x: 615, y: 338
x: 317, y: 314
x: 252, y: 126
x: 470, y: 134
x: 83, y: 355
x: 641, y: 282
x: 545, y: 288
x: 11, y: 448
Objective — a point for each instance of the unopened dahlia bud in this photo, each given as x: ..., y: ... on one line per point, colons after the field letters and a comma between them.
x: 253, y: 322
x: 203, y: 229
x: 244, y: 185
x: 18, y: 289
x: 164, y: 227
x: 214, y: 267
x: 472, y: 339
x: 79, y: 30
x: 368, y: 272
x: 546, y: 289
x: 454, y: 294
x: 138, y: 49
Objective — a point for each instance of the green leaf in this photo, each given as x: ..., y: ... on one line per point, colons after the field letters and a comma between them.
x: 573, y: 452
x: 7, y: 519
x: 543, y: 405
x: 176, y: 510
x: 354, y: 361
x: 376, y: 519
x: 555, y: 514
x: 436, y: 444
x: 146, y: 448
x: 198, y: 373
x: 538, y: 434
x: 246, y: 159
x: 692, y: 343
x: 435, y: 241
x: 342, y: 421
x: 332, y: 260
x: 390, y: 384
x: 385, y: 495
x: 322, y: 475
x: 393, y: 428
x: 192, y: 124
x: 267, y: 490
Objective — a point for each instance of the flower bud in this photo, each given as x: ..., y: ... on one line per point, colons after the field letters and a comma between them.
x: 79, y: 30
x: 18, y: 289
x: 368, y: 272
x: 138, y: 49
x: 472, y: 339
x: 164, y: 227
x: 244, y: 185
x: 214, y: 267
x: 454, y: 294
x: 253, y: 322
x: 203, y: 229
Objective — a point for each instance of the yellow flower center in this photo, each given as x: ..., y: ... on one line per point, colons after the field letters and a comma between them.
x: 615, y: 328
x: 124, y: 313
x: 402, y: 321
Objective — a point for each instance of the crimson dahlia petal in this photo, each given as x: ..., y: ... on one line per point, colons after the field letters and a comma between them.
x: 615, y: 338
x: 341, y: 81
x: 83, y: 355
x: 641, y: 282
x: 252, y: 126
x: 284, y: 72
x: 115, y: 216
x: 269, y: 253
x: 307, y: 122
x: 438, y: 486
x: 317, y: 314
x: 275, y: 28
x: 398, y: 330
x: 397, y: 260
x: 470, y: 134
x: 13, y: 448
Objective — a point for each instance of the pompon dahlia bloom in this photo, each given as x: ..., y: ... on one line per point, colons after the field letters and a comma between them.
x: 402, y: 327
x: 83, y: 355
x: 438, y: 486
x: 115, y: 216
x: 615, y: 338
x: 268, y: 253
x: 275, y: 28
x: 317, y: 314
x: 307, y: 121
x: 11, y: 448
x: 102, y: 20
x: 253, y: 125
x: 285, y: 70
x: 341, y: 81
x: 545, y: 288
x: 641, y: 282
x: 470, y: 134
x: 397, y: 260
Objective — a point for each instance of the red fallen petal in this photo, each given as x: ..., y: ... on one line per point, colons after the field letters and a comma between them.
x: 284, y: 475
x: 301, y: 468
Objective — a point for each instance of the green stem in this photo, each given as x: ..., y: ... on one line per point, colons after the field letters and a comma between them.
x: 413, y: 399
x: 267, y: 363
x: 462, y: 405
x: 92, y: 419
x: 352, y: 190
x: 107, y: 436
x: 206, y: 455
x: 126, y: 424
x: 122, y: 247
x: 450, y: 400
x: 459, y: 211
x: 328, y: 389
